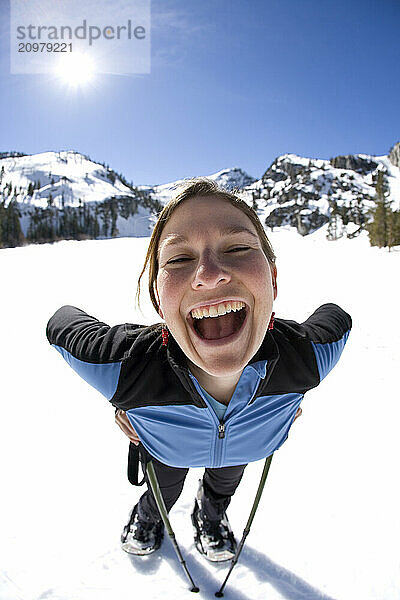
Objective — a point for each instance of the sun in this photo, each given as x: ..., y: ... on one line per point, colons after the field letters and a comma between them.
x: 75, y: 69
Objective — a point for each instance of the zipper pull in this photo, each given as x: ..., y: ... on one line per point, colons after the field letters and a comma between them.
x: 221, y: 430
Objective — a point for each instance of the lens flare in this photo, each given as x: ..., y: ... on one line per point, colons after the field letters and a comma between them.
x: 75, y: 69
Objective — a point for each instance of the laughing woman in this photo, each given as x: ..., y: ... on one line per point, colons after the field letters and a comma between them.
x: 219, y: 383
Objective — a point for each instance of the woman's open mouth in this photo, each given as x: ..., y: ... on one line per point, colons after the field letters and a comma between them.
x: 218, y: 322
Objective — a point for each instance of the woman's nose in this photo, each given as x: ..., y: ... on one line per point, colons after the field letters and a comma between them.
x: 209, y: 273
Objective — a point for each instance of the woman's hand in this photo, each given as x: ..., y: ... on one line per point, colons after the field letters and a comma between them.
x: 298, y: 414
x: 123, y: 423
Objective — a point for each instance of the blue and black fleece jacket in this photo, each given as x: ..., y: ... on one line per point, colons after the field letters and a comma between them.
x: 175, y: 422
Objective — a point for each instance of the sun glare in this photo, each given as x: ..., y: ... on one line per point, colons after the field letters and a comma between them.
x: 75, y: 69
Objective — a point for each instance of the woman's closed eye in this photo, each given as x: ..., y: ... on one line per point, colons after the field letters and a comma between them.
x: 238, y: 248
x: 182, y: 259
x: 178, y: 260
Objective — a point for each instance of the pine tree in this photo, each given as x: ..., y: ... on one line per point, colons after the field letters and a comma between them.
x: 393, y: 229
x: 2, y: 216
x: 335, y: 227
x: 254, y: 202
x: 11, y: 233
x: 381, y: 227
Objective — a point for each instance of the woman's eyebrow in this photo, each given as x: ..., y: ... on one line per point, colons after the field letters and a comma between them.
x: 239, y: 229
x: 175, y: 238
x: 171, y: 240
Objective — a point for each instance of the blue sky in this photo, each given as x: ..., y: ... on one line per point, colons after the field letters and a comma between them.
x: 232, y: 83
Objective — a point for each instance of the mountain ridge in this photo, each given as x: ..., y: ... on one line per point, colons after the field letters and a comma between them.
x: 65, y: 194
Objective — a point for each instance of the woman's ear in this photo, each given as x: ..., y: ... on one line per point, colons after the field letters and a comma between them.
x: 274, y: 274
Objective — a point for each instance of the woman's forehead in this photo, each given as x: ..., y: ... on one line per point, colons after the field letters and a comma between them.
x: 209, y: 214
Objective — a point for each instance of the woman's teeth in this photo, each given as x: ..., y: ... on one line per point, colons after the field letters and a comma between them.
x: 216, y: 310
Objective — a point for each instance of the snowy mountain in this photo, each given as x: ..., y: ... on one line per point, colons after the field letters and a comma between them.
x: 57, y: 195
x: 306, y: 193
x: 229, y: 179
x: 68, y: 178
x: 64, y: 177
x: 234, y: 178
x: 66, y: 195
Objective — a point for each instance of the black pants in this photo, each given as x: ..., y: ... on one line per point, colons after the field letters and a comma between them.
x: 219, y: 485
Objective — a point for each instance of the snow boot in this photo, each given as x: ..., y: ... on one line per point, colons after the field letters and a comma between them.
x: 213, y: 538
x: 141, y: 537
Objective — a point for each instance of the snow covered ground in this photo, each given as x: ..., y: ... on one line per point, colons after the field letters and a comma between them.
x: 328, y: 525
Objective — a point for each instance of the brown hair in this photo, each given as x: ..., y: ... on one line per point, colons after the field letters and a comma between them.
x: 200, y: 186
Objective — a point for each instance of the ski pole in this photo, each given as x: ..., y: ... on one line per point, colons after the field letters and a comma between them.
x: 246, y: 531
x: 164, y: 515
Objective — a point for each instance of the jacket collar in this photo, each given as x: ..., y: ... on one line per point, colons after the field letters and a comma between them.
x: 263, y: 362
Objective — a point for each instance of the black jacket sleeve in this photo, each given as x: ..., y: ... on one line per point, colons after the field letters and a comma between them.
x: 85, y: 337
x: 328, y: 324
x: 328, y: 329
x: 92, y: 348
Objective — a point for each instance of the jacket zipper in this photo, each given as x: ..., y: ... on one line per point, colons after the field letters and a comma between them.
x: 222, y: 427
x: 217, y: 451
x: 219, y: 446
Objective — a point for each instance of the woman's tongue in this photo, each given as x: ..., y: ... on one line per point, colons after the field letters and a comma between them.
x: 215, y: 328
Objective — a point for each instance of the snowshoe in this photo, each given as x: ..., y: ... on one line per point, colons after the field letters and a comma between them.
x: 141, y: 537
x: 213, y: 539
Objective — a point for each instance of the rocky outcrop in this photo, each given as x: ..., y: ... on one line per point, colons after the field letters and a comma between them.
x: 306, y: 220
x: 394, y: 155
x: 354, y: 162
x: 282, y: 168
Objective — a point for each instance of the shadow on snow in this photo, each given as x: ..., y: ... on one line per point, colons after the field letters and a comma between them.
x: 285, y: 582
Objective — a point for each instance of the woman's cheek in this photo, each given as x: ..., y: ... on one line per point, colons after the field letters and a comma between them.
x: 256, y: 274
x: 170, y: 278
x: 170, y: 285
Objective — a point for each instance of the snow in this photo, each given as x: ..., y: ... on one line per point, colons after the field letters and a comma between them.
x: 295, y: 159
x: 393, y: 181
x: 138, y: 225
x: 328, y: 524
